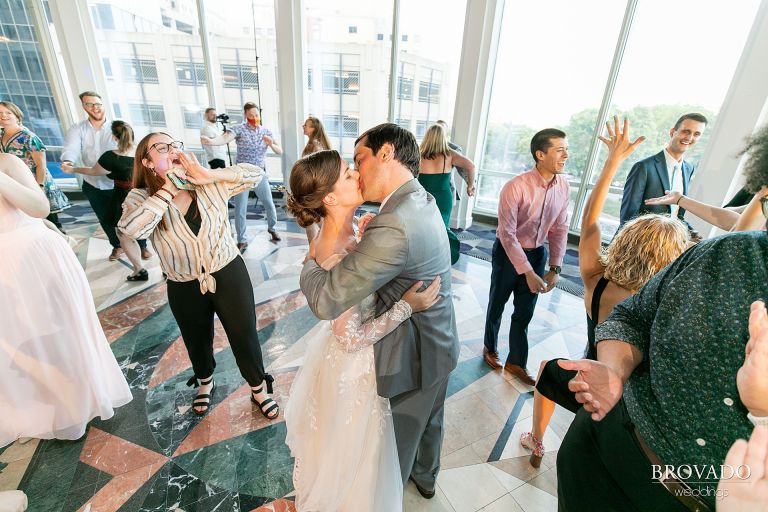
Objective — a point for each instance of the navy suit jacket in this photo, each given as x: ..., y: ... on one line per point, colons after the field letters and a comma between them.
x: 647, y: 179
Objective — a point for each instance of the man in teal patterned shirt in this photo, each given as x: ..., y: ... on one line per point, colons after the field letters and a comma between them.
x: 662, y: 406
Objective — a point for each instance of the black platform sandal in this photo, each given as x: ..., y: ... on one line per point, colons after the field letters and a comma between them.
x: 267, y: 406
x: 143, y: 275
x: 203, y: 400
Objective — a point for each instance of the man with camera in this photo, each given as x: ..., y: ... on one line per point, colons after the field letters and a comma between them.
x: 215, y: 155
x: 253, y: 141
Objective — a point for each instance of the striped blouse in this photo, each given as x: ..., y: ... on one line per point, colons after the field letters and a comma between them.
x: 183, y: 255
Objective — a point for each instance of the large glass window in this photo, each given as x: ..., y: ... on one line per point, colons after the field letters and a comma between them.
x: 350, y: 69
x: 238, y: 34
x: 156, y: 75
x: 661, y: 77
x: 23, y: 78
x: 552, y: 77
x: 429, y: 61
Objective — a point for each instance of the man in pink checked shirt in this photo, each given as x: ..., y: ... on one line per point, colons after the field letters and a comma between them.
x: 533, y: 208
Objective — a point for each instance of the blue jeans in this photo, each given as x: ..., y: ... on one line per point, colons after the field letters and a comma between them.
x: 505, y: 281
x: 264, y: 193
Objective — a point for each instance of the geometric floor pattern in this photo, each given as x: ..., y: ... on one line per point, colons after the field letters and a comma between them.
x: 154, y: 455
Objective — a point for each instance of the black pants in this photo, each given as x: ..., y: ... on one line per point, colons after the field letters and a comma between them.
x: 601, y: 467
x: 101, y: 201
x: 233, y: 302
x: 504, y: 282
x: 54, y: 218
x: 217, y: 163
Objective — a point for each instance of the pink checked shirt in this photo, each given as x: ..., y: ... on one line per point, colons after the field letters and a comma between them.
x: 530, y: 212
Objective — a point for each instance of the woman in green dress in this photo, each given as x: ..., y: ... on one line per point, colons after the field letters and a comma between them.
x: 437, y: 160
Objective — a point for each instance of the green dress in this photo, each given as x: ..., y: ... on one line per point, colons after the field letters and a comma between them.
x: 439, y: 185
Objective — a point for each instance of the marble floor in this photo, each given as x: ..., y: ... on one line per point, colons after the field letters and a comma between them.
x: 154, y: 455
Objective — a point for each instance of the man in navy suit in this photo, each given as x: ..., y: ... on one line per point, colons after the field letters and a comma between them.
x: 663, y: 172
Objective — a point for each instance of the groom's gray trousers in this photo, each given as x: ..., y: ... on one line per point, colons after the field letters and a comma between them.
x: 420, y: 437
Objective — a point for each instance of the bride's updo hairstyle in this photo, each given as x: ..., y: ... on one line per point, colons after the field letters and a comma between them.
x: 312, y: 178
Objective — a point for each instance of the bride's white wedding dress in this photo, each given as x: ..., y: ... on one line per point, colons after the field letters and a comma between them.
x: 340, y: 430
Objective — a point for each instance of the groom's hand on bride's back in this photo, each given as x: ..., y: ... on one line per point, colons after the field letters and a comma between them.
x: 425, y: 299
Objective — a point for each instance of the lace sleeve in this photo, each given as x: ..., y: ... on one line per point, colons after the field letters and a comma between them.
x: 353, y: 335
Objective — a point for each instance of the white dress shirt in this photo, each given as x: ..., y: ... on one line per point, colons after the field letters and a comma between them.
x: 675, y: 174
x: 83, y: 146
x: 212, y: 130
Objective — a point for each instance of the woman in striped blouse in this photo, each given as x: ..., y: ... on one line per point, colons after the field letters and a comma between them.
x: 206, y: 275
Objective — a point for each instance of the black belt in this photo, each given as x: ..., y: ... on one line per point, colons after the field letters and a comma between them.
x: 534, y: 249
x: 676, y: 487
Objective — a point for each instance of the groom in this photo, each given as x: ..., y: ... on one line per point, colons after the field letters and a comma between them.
x: 405, y: 243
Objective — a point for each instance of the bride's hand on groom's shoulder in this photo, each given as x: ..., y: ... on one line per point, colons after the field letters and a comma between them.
x: 425, y: 299
x: 363, y: 221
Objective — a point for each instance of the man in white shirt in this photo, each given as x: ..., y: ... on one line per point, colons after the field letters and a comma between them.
x: 85, y: 142
x: 663, y: 172
x: 215, y: 155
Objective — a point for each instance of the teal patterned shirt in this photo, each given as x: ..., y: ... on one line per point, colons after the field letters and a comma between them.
x: 691, y: 324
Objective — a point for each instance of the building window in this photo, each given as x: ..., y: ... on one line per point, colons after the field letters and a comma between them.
x: 429, y: 92
x: 239, y: 77
x: 235, y: 115
x: 102, y: 17
x: 379, y: 37
x: 405, y: 88
x: 341, y: 126
x: 403, y: 123
x: 143, y: 114
x: 421, y: 128
x: 143, y: 71
x: 352, y: 29
x: 107, y: 67
x: 341, y: 82
x: 116, y: 110
x: 190, y: 73
x: 185, y: 27
x: 192, y: 118
x: 404, y: 38
x: 309, y: 78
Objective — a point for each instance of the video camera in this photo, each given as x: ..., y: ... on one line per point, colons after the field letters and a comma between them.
x: 223, y: 118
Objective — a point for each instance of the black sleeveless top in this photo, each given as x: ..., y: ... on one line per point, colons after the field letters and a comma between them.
x: 591, y: 352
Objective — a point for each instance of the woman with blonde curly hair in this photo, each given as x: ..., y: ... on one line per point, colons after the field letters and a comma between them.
x: 642, y: 247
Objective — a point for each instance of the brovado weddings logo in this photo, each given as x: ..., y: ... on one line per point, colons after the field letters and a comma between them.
x: 707, y: 474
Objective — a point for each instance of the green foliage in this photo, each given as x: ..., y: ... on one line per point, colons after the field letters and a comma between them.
x: 507, y: 145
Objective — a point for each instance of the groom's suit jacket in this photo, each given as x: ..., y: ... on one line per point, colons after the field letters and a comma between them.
x: 403, y: 244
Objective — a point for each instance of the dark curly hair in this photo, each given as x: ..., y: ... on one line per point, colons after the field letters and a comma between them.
x: 756, y: 166
x: 312, y: 178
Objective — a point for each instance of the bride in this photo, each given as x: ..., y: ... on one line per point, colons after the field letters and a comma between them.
x: 339, y: 429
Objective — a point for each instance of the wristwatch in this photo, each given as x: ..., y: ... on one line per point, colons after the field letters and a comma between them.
x: 555, y: 268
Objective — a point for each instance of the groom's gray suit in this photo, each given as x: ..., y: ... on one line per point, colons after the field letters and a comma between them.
x: 403, y: 244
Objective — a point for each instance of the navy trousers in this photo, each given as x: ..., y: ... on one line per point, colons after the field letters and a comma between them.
x: 505, y: 281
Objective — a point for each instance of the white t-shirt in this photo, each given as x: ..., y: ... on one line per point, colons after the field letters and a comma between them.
x: 212, y: 130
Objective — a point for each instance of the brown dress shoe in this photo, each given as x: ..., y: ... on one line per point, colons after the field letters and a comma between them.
x: 520, y: 372
x: 242, y: 246
x: 146, y: 254
x: 492, y: 358
x: 116, y: 253
x: 275, y: 236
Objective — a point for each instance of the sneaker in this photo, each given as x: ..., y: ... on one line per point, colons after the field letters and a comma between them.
x: 146, y: 254
x: 116, y: 253
x: 537, y: 448
x: 275, y: 236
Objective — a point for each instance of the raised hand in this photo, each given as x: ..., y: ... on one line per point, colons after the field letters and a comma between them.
x: 596, y: 385
x: 194, y: 172
x: 750, y: 494
x: 752, y: 377
x: 670, y: 197
x: 618, y: 141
